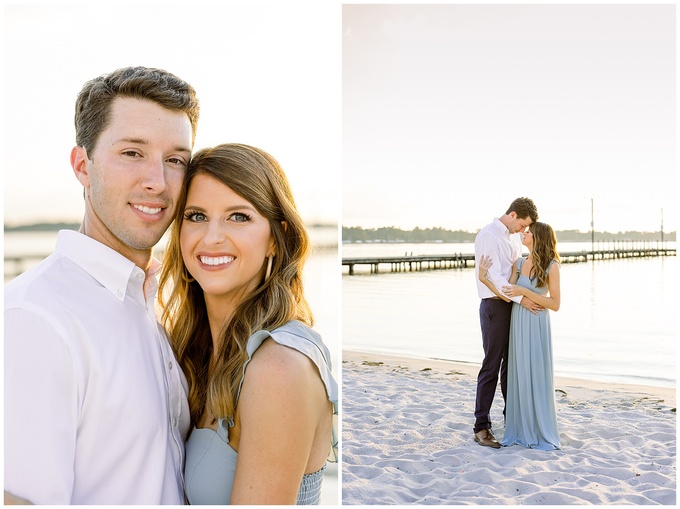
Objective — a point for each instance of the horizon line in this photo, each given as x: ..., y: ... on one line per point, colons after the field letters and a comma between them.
x: 477, y: 231
x: 12, y: 226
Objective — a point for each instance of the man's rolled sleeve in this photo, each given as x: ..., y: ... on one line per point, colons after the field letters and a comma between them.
x: 499, y: 282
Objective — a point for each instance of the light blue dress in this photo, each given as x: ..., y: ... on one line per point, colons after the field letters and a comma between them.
x: 530, y: 416
x: 211, y: 461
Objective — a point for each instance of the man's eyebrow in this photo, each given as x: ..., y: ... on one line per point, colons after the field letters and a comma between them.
x: 140, y: 141
x: 183, y: 149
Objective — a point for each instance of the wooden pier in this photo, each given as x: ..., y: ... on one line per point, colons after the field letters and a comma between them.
x: 462, y: 261
x: 15, y: 265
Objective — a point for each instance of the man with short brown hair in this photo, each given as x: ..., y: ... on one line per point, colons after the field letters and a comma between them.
x: 498, y: 241
x: 95, y: 404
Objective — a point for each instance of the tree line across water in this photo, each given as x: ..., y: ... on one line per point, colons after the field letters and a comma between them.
x: 355, y: 234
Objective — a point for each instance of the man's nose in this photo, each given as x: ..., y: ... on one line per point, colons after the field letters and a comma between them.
x: 154, y: 176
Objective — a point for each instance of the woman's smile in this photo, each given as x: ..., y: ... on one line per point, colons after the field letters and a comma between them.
x: 215, y: 261
x: 224, y: 240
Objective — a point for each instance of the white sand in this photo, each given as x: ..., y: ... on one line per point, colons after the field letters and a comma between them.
x: 407, y: 439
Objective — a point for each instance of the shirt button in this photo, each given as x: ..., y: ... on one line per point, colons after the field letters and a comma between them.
x: 170, y: 365
x: 120, y: 293
x: 140, y: 276
x: 174, y: 422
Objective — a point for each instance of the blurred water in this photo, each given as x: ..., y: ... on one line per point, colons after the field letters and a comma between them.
x: 617, y: 320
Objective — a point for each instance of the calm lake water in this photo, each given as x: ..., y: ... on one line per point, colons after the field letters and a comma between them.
x: 617, y: 321
x: 322, y: 277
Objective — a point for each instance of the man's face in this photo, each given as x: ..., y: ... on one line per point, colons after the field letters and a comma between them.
x: 518, y: 224
x: 135, y: 174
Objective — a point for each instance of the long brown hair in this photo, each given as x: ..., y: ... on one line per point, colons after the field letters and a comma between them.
x: 543, y: 252
x: 256, y: 176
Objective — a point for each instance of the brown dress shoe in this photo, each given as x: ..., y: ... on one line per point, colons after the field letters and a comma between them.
x: 485, y: 437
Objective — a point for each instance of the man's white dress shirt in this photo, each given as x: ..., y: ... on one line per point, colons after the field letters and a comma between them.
x: 495, y: 240
x: 95, y: 403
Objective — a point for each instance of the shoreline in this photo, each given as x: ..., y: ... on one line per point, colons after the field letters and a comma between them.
x: 407, y: 439
x: 668, y: 394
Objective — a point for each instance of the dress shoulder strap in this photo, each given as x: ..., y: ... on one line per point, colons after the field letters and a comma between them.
x: 307, y: 341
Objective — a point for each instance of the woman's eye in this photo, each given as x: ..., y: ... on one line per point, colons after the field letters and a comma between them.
x: 131, y: 153
x: 240, y: 217
x: 196, y: 217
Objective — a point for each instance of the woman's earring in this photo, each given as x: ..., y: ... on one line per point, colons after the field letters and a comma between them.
x: 268, y: 273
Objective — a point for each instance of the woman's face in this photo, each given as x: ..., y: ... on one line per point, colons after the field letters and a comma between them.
x: 528, y: 239
x: 224, y: 240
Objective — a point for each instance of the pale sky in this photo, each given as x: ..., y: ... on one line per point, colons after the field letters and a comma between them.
x: 452, y: 111
x: 265, y: 75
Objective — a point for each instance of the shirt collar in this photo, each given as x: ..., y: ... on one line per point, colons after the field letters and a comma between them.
x: 110, y: 268
x: 500, y: 226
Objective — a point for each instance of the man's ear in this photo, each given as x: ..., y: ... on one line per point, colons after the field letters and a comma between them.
x: 79, y: 164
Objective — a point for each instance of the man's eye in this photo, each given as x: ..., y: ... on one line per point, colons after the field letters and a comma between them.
x: 177, y: 160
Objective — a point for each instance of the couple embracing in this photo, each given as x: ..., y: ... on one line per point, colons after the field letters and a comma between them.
x: 230, y: 398
x: 516, y: 294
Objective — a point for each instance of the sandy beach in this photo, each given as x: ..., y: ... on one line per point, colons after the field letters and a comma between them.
x: 407, y: 439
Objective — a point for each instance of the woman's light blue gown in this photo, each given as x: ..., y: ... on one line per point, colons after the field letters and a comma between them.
x: 531, y: 420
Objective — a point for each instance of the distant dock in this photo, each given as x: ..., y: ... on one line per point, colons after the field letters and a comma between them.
x: 15, y: 265
x: 461, y: 261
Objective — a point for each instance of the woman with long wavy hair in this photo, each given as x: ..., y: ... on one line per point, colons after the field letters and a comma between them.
x: 530, y: 418
x: 261, y: 392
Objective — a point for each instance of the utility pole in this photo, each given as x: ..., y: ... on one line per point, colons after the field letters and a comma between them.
x: 592, y: 229
x: 661, y: 228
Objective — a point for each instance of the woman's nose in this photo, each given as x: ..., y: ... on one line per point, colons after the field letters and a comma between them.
x: 216, y: 233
